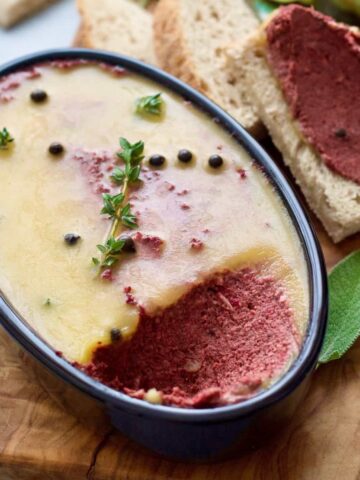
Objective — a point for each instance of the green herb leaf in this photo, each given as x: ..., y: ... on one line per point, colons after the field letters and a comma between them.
x: 102, y: 248
x: 114, y: 245
x: 111, y: 203
x: 127, y: 218
x: 131, y: 154
x: 110, y: 250
x: 118, y: 176
x: 134, y: 173
x: 5, y: 139
x: 110, y: 261
x: 344, y: 316
x: 47, y: 302
x: 151, y: 105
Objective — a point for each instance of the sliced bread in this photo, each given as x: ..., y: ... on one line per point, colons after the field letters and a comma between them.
x: 190, y: 38
x: 117, y: 25
x: 12, y: 11
x: 333, y: 198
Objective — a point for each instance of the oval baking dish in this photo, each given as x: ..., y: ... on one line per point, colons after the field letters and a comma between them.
x: 185, y: 433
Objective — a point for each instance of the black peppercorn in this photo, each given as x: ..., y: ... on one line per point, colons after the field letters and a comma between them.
x: 157, y: 160
x: 185, y: 155
x: 71, y: 238
x: 115, y: 334
x: 129, y: 246
x: 341, y: 133
x: 38, y: 96
x: 215, y: 161
x: 56, y: 148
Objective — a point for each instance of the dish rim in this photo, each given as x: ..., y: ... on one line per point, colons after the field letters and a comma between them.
x: 317, y: 277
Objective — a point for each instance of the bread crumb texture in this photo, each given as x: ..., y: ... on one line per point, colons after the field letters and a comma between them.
x: 119, y: 26
x: 190, y: 42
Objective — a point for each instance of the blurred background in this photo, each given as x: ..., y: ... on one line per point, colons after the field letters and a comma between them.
x: 51, y: 27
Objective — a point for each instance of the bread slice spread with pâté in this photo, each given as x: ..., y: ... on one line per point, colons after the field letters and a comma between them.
x: 190, y: 39
x: 302, y: 72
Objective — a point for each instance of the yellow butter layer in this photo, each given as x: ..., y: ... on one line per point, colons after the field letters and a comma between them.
x: 240, y: 221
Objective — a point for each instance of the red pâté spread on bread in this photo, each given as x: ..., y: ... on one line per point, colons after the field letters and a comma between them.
x: 320, y: 81
x: 201, y: 297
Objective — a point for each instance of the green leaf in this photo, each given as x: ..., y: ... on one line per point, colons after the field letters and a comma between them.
x: 129, y: 221
x: 134, y: 173
x: 264, y: 8
x: 151, y: 105
x: 344, y: 315
x: 111, y: 203
x: 127, y: 169
x: 108, y: 207
x: 109, y: 261
x: 115, y: 246
x: 131, y: 154
x: 127, y: 218
x: 126, y: 209
x: 5, y: 138
x: 286, y: 2
x: 124, y: 144
x: 118, y: 176
x: 118, y: 199
x: 137, y: 152
x: 102, y: 249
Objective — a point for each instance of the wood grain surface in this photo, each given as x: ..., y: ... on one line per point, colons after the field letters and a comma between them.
x: 40, y: 439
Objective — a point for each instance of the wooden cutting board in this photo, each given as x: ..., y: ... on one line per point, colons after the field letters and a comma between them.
x: 40, y: 439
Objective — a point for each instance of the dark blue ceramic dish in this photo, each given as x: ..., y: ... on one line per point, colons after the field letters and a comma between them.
x: 184, y: 433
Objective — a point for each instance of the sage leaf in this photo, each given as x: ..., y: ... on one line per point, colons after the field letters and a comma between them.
x: 344, y: 316
x: 286, y: 2
x: 263, y: 8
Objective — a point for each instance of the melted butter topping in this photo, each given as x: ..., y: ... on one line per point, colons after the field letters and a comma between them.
x: 236, y: 221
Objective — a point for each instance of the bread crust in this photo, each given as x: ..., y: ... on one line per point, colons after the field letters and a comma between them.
x: 170, y: 45
x: 78, y: 39
x: 174, y: 55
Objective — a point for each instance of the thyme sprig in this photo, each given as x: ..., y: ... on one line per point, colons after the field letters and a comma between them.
x: 116, y: 206
x: 5, y: 138
x: 151, y: 105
